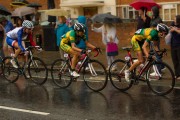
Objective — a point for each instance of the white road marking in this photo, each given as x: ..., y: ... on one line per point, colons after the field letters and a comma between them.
x: 24, y: 110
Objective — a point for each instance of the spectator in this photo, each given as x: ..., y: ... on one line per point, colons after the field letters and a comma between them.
x: 18, y: 22
x: 60, y: 29
x: 2, y: 37
x: 82, y: 44
x: 108, y: 31
x: 175, y: 45
x: 8, y: 26
x: 143, y: 19
x: 155, y: 17
x: 36, y: 17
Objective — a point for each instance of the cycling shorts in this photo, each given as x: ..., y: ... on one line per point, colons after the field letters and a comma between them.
x: 137, y: 45
x: 65, y: 47
x: 10, y: 41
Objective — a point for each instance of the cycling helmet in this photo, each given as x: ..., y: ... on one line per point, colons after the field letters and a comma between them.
x: 162, y: 28
x: 27, y: 24
x: 79, y: 27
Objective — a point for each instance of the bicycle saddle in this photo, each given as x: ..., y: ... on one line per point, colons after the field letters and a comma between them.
x: 127, y: 48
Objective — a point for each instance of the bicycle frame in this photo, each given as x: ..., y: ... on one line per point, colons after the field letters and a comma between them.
x: 83, y: 63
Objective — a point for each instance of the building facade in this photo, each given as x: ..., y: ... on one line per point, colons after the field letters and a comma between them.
x: 169, y: 9
x: 88, y: 8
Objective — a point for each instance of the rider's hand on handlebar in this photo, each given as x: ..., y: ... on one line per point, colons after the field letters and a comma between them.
x: 83, y: 51
x: 26, y: 53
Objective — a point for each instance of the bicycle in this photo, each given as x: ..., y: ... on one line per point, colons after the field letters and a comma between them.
x: 36, y: 68
x: 94, y: 73
x: 161, y: 84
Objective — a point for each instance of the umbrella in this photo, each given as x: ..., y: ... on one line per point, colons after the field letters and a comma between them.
x: 106, y: 18
x: 22, y: 11
x: 34, y: 5
x: 143, y: 3
x: 4, y: 11
x: 19, y: 2
x: 56, y: 12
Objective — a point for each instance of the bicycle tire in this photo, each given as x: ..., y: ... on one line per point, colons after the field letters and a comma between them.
x: 91, y: 80
x: 161, y: 83
x: 38, y: 71
x: 117, y: 77
x: 60, y: 76
x: 8, y: 71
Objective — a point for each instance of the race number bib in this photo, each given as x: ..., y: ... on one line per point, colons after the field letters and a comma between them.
x: 138, y: 31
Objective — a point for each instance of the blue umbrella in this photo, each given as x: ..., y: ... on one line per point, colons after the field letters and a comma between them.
x: 4, y: 11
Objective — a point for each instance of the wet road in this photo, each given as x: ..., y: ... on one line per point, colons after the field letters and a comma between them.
x: 26, y: 101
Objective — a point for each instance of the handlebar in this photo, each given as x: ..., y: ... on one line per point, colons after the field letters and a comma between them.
x: 97, y: 50
x: 160, y: 53
x: 31, y: 47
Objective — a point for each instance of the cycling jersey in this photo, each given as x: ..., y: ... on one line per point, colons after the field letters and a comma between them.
x: 68, y: 38
x: 17, y: 35
x: 141, y: 35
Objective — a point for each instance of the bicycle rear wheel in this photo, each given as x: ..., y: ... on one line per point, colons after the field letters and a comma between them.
x: 60, y: 73
x: 117, y: 76
x: 38, y: 71
x: 160, y: 81
x: 95, y: 75
x: 9, y: 72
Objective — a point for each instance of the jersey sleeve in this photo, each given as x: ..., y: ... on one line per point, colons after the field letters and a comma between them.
x: 72, y: 37
x: 153, y: 36
x: 20, y: 33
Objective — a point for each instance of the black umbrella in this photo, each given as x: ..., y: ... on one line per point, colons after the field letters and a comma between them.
x: 20, y: 2
x: 106, y: 18
x: 34, y: 5
x: 4, y: 11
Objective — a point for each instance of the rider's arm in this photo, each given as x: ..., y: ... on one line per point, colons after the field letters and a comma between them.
x: 20, y: 33
x: 90, y: 45
x: 30, y: 36
x: 73, y: 45
x: 145, y: 48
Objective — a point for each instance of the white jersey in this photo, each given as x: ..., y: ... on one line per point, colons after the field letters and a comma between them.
x: 13, y: 34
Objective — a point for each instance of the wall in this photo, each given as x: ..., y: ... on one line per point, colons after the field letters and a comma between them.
x: 125, y: 31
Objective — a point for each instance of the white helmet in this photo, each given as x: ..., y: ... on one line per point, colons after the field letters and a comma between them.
x: 162, y: 28
x: 27, y: 24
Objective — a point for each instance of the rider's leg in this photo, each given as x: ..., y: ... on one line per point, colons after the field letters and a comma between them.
x: 74, y: 59
x: 140, y: 61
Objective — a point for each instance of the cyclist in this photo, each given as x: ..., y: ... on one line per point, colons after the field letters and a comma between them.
x: 69, y: 41
x: 16, y: 36
x: 140, y: 43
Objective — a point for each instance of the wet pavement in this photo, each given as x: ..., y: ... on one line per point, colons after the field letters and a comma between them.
x: 24, y: 100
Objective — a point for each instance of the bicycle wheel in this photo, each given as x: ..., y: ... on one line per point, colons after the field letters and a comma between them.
x: 9, y: 72
x: 162, y: 81
x: 38, y: 71
x: 95, y: 75
x: 60, y: 73
x: 117, y: 76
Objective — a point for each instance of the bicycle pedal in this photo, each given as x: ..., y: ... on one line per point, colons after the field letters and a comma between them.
x: 74, y: 79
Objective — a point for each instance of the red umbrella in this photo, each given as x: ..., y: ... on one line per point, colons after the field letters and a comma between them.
x: 144, y: 3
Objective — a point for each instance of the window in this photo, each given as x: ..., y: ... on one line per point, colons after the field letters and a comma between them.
x: 169, y: 12
x: 129, y: 12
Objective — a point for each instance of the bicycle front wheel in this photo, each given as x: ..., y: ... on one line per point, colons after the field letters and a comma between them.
x: 160, y: 78
x: 38, y: 71
x: 60, y: 73
x: 9, y: 72
x: 117, y: 76
x: 95, y: 75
